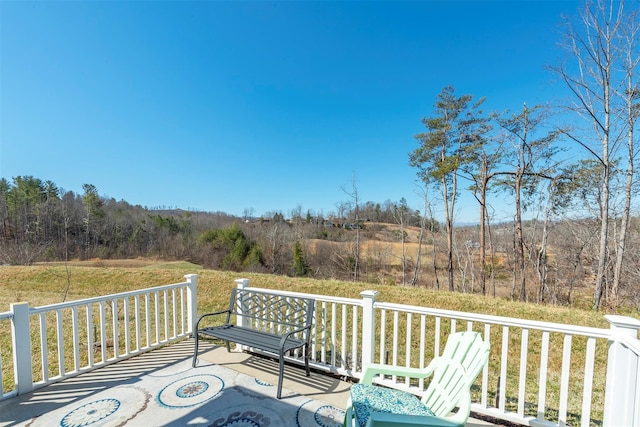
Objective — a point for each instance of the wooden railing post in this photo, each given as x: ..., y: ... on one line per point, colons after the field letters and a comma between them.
x: 192, y: 301
x: 368, y: 326
x: 21, y: 338
x: 622, y: 390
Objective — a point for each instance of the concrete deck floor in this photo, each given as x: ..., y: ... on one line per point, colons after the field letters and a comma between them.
x: 21, y: 410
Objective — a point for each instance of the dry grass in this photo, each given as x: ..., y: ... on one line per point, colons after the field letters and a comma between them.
x: 46, y: 284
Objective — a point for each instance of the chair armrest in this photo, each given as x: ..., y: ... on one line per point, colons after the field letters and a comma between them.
x: 372, y: 369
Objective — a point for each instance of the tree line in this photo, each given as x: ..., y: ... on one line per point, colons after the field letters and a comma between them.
x: 521, y: 153
x: 41, y: 222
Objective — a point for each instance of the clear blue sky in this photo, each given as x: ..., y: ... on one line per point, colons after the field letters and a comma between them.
x: 225, y: 106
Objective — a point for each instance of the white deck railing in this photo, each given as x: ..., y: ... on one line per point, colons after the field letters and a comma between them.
x: 58, y: 341
x: 539, y: 373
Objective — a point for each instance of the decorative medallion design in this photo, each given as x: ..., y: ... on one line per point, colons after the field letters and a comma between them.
x: 263, y: 383
x: 314, y: 413
x: 90, y: 413
x: 190, y: 391
x: 104, y: 412
x: 247, y: 416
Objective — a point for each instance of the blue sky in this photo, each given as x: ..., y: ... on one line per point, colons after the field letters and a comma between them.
x: 227, y: 106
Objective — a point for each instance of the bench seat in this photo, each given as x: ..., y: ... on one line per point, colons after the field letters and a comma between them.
x: 252, y: 338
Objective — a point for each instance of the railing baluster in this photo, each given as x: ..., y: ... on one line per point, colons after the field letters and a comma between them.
x: 383, y: 335
x: 588, y: 382
x: 147, y: 326
x: 323, y: 341
x: 394, y: 348
x: 114, y: 321
x: 165, y: 300
x: 484, y: 399
x: 564, y: 379
x: 1, y: 376
x: 90, y: 343
x: 44, y: 349
x: 60, y: 342
x: 502, y: 387
x: 314, y: 335
x: 407, y: 347
x: 542, y: 380
x: 156, y: 306
x: 354, y: 340
x: 127, y: 333
x: 334, y: 329
x: 182, y: 311
x: 423, y: 345
x: 76, y: 338
x: 436, y: 343
x: 136, y: 308
x: 174, y: 311
x: 524, y: 350
x: 343, y: 348
x: 103, y: 333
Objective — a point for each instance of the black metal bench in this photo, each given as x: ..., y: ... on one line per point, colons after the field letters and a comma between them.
x: 277, y: 324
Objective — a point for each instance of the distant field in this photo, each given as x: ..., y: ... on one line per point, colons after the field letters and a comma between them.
x: 47, y: 283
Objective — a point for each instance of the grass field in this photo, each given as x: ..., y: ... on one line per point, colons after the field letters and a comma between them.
x: 49, y: 283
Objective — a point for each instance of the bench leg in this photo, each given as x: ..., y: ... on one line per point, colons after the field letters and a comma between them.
x: 306, y: 359
x: 280, y: 375
x: 195, y: 350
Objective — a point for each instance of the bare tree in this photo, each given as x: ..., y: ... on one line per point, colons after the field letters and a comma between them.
x: 482, y: 171
x: 426, y: 220
x: 400, y: 214
x: 630, y: 95
x: 528, y: 160
x: 596, y: 49
x: 353, y: 195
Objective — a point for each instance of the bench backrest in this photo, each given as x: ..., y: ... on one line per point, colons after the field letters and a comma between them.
x: 267, y: 312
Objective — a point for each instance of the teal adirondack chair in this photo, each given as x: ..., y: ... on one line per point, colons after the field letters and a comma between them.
x: 452, y: 373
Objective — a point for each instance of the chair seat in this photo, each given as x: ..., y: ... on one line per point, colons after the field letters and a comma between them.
x: 367, y: 399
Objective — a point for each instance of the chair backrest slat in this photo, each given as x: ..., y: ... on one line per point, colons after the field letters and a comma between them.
x: 464, y: 356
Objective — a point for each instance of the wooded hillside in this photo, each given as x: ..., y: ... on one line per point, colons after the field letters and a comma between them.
x: 43, y: 223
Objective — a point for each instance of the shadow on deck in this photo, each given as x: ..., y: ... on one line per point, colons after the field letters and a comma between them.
x: 161, y: 388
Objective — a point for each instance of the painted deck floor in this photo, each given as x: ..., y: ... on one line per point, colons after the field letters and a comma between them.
x: 161, y: 388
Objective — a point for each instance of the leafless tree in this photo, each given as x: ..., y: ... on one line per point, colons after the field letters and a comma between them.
x: 353, y: 195
x: 630, y: 95
x: 598, y: 50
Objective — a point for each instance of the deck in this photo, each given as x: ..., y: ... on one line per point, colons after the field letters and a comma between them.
x: 160, y: 388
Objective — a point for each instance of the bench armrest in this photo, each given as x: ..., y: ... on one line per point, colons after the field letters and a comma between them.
x: 286, y: 336
x: 211, y: 314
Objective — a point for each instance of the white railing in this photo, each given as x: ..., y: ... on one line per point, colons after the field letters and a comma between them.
x: 539, y: 373
x: 58, y: 341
